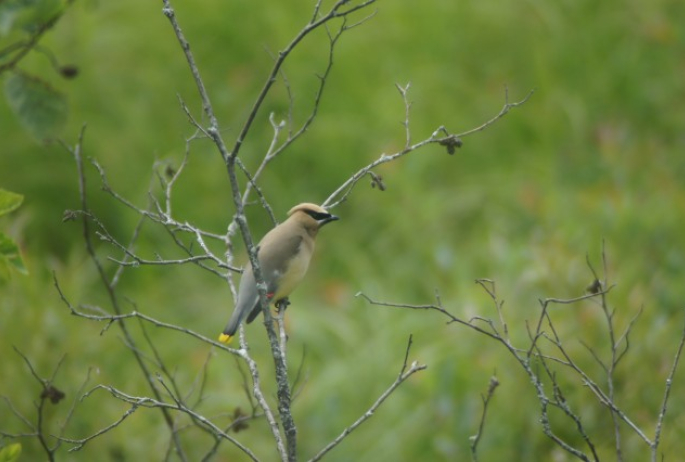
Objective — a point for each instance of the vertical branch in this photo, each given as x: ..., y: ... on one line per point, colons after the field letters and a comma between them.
x: 336, y: 11
x: 261, y: 399
x: 523, y: 358
x: 475, y: 439
x: 283, y: 390
x: 559, y: 401
x: 340, y: 9
x: 610, y: 368
x: 490, y: 288
x: 667, y: 394
x: 76, y: 152
x: 407, y: 109
x: 283, y: 387
x: 48, y: 392
x: 276, y: 149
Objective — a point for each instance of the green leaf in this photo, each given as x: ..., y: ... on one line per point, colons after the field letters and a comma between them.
x: 9, y: 201
x: 10, y: 453
x: 41, y: 109
x: 9, y: 254
x: 27, y: 15
x: 8, y: 13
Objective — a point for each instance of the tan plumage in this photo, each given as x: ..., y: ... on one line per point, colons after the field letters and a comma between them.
x: 284, y: 255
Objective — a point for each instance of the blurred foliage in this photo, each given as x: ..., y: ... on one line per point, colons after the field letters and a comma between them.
x: 39, y: 107
x: 595, y: 155
x: 10, y: 453
x: 10, y: 257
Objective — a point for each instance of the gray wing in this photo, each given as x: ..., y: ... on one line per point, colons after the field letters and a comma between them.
x: 273, y: 262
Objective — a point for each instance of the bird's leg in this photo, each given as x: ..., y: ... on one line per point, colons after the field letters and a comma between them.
x: 282, y: 304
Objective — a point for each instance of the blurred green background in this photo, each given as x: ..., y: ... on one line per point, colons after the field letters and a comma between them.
x: 597, y: 155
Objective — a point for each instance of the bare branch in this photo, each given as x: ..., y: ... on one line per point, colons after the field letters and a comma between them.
x: 405, y: 372
x: 428, y: 307
x: 259, y: 396
x: 407, y: 108
x: 449, y: 140
x: 229, y: 159
x: 475, y: 439
x: 48, y: 393
x: 111, y: 318
x: 19, y: 415
x: 72, y: 409
x: 490, y: 288
x: 615, y: 356
x: 22, y: 48
x: 558, y: 400
x: 667, y: 394
x: 274, y: 149
x: 571, y: 301
x: 131, y: 259
x: 341, y: 9
x: 602, y: 397
x: 625, y: 337
x: 544, y: 329
x: 80, y: 443
x: 504, y: 111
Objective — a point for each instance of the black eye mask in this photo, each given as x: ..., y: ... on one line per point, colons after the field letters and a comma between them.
x: 318, y: 216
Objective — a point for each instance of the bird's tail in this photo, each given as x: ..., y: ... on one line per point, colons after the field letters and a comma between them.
x: 231, y: 328
x: 237, y: 317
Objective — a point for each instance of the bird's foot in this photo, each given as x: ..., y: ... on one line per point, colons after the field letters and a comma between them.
x: 282, y: 304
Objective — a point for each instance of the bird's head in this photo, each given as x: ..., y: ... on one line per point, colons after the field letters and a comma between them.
x: 311, y: 216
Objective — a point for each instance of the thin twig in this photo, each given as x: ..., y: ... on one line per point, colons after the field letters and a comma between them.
x: 110, y: 318
x: 475, y: 439
x: 437, y: 308
x: 48, y: 392
x: 615, y: 356
x: 667, y: 394
x: 405, y: 372
x: 22, y: 48
x: 450, y: 140
x: 336, y: 11
x: 146, y: 402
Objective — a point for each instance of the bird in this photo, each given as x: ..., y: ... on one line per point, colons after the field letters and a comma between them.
x: 283, y: 254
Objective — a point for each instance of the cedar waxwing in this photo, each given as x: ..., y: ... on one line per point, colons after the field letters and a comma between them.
x: 284, y: 254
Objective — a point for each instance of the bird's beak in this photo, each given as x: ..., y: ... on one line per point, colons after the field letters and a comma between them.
x: 328, y: 219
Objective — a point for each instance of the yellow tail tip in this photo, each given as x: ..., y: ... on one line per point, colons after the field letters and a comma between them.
x: 225, y: 338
